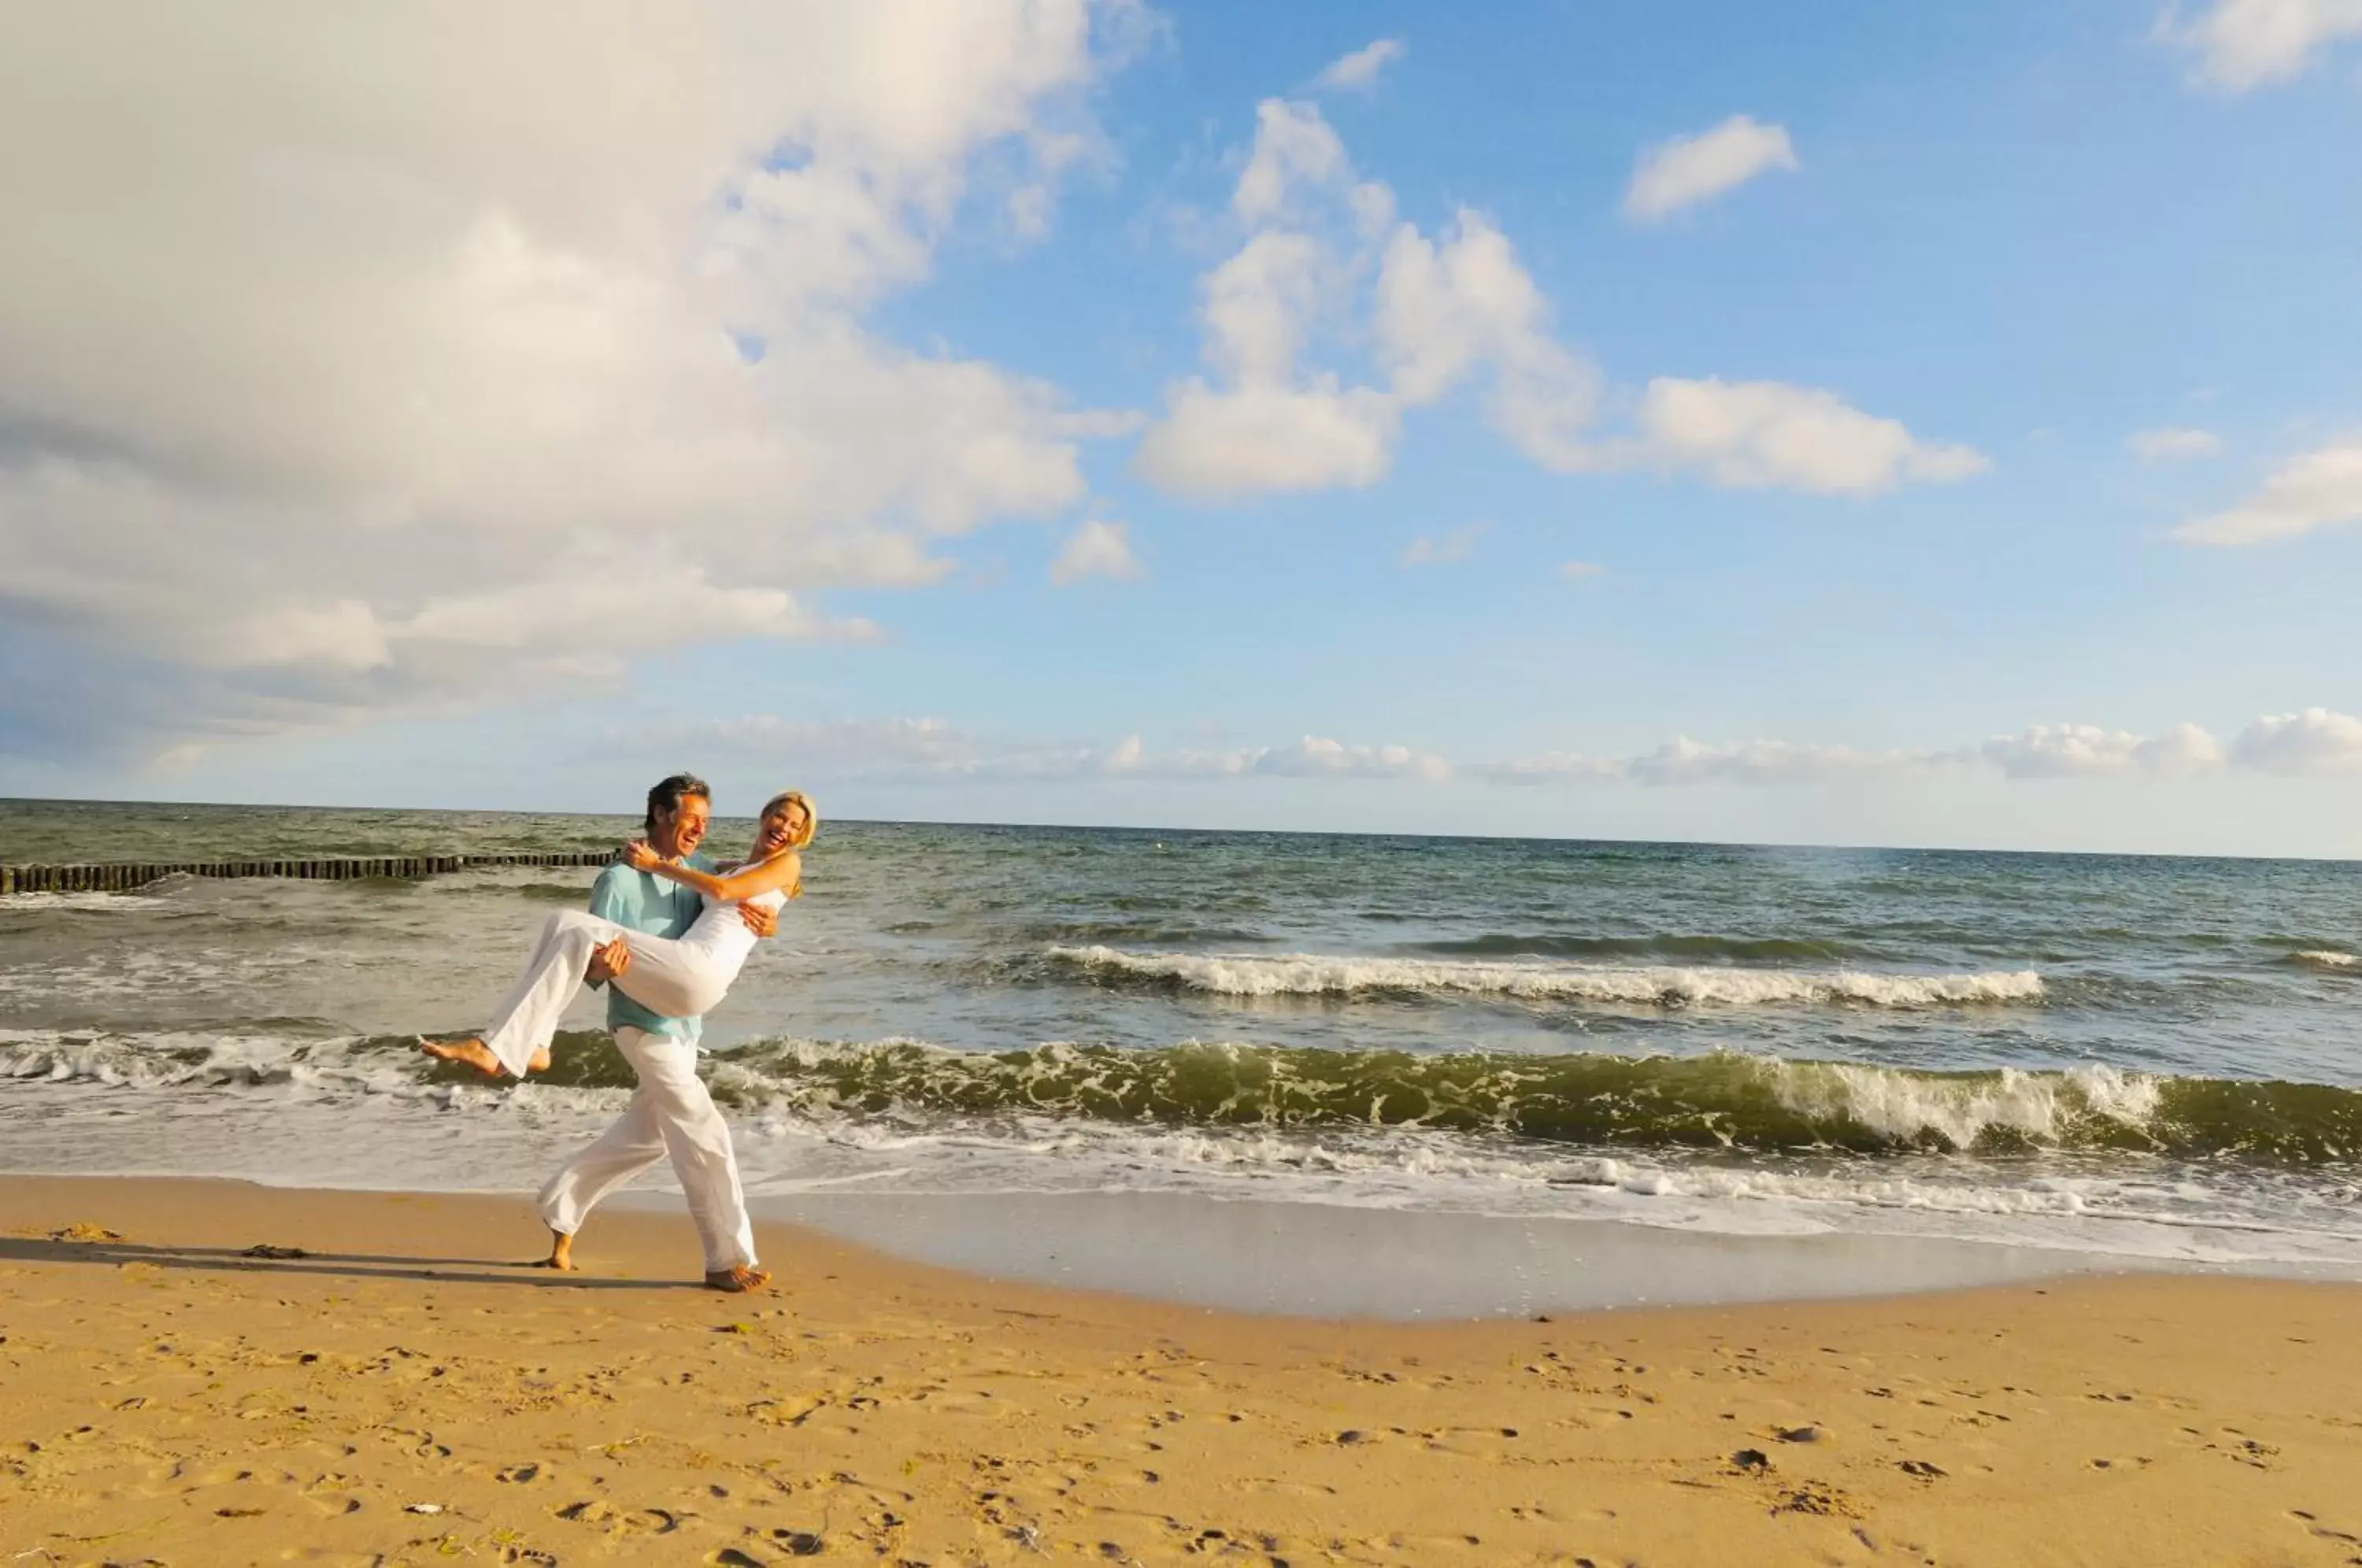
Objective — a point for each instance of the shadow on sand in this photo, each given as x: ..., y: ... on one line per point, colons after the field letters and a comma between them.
x: 343, y: 1265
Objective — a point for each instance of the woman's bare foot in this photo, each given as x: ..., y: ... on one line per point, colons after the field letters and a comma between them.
x: 737, y: 1280
x: 476, y: 1054
x: 472, y: 1051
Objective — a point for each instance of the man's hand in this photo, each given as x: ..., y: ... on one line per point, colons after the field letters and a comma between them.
x: 608, y: 960
x: 761, y: 919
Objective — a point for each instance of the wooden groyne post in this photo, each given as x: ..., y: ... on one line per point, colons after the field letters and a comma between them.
x: 123, y: 876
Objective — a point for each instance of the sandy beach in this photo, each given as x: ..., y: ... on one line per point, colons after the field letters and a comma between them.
x: 401, y: 1394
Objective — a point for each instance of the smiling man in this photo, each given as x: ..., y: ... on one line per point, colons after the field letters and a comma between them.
x: 670, y: 1112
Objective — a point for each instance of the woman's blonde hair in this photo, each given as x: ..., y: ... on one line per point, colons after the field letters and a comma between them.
x: 794, y: 798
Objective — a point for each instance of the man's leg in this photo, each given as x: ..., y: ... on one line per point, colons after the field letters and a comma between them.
x: 633, y: 1144
x: 698, y: 1138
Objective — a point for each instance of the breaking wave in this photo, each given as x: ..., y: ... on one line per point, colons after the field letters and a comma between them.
x: 1721, y: 1100
x: 1314, y: 975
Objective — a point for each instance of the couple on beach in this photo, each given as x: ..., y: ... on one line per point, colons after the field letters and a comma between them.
x: 666, y: 932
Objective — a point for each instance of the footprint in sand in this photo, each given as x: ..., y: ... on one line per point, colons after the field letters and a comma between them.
x: 333, y: 1493
x: 615, y: 1522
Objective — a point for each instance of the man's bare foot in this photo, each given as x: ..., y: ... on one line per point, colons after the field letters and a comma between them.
x: 561, y: 1254
x: 737, y: 1280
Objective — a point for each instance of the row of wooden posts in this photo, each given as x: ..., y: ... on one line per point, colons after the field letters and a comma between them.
x: 123, y: 877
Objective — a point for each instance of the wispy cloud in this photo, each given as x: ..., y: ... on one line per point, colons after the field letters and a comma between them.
x: 2244, y: 44
x: 2172, y: 443
x: 1446, y: 548
x: 2322, y: 489
x: 1359, y: 70
x: 1096, y: 549
x: 1770, y: 434
x: 1688, y: 169
x: 1683, y: 761
x: 2316, y: 742
x: 2312, y: 742
x: 918, y: 749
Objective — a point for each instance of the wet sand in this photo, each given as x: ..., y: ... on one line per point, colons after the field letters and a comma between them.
x: 400, y: 1393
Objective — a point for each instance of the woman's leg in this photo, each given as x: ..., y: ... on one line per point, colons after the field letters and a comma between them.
x: 671, y: 978
x: 518, y: 1039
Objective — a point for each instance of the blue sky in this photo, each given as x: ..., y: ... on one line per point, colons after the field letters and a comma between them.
x: 1962, y: 450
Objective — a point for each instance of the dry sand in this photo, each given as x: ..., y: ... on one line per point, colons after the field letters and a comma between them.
x: 400, y: 1396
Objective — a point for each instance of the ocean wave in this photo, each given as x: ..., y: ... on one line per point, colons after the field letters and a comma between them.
x: 97, y: 903
x: 1756, y: 949
x: 1314, y: 975
x: 1724, y: 1102
x: 2326, y: 958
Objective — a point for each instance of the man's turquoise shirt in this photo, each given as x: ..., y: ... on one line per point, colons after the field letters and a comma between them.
x: 641, y: 900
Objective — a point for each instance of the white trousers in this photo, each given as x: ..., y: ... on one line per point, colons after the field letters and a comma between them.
x: 670, y: 1114
x: 671, y: 978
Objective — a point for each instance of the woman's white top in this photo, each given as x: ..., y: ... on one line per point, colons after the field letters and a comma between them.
x: 721, y: 935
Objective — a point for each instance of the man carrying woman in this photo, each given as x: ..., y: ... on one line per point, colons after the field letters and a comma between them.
x: 696, y: 929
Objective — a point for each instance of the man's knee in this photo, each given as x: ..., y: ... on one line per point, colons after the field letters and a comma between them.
x: 667, y: 1069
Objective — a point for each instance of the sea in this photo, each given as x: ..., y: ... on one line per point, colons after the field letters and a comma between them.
x: 2146, y: 1061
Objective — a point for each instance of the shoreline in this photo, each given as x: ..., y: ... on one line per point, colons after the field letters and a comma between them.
x: 1280, y: 1257
x: 172, y: 1397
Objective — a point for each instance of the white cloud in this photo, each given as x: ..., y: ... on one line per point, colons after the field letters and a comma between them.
x: 1447, y: 548
x: 1260, y: 305
x: 1580, y: 571
x: 1688, y: 169
x: 1557, y: 767
x: 1293, y: 148
x: 1217, y: 445
x: 2042, y: 751
x: 2320, y: 490
x: 1359, y: 70
x: 2079, y: 751
x: 375, y: 398
x: 1261, y: 426
x: 2244, y: 44
x: 1096, y: 549
x: 924, y: 748
x: 2314, y: 742
x: 1314, y: 757
x: 1442, y: 311
x: 2171, y: 443
x: 1683, y: 761
x: 1762, y: 434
